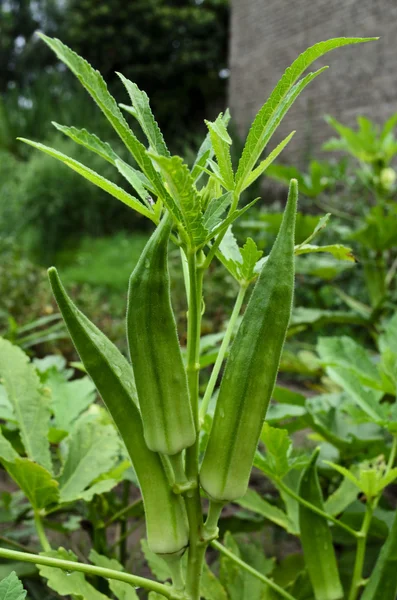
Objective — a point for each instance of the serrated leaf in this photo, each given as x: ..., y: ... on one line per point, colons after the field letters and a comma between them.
x: 250, y: 255
x: 221, y: 141
x: 7, y: 451
x: 11, y: 588
x: 337, y: 250
x: 322, y: 223
x: 261, y: 168
x: 95, y: 85
x: 101, y: 182
x: 135, y: 178
x: 210, y: 587
x: 35, y: 481
x: 144, y: 116
x: 280, y: 100
x: 65, y: 583
x: 206, y: 150
x: 30, y: 405
x: 215, y: 209
x: 157, y: 565
x: 89, y: 141
x: 92, y: 450
x: 122, y: 591
x: 181, y: 186
x: 69, y: 398
x: 252, y: 501
x: 278, y: 449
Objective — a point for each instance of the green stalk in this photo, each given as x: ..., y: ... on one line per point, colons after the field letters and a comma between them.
x: 252, y: 571
x: 197, y: 547
x: 70, y: 566
x: 211, y: 523
x: 280, y: 484
x: 222, y: 351
x: 45, y: 544
x: 357, y: 579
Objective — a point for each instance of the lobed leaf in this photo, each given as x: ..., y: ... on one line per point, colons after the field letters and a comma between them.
x: 279, y: 102
x: 11, y: 588
x: 103, y: 183
x: 89, y: 141
x: 337, y: 250
x: 122, y: 591
x: 31, y: 405
x: 221, y: 142
x: 93, y: 82
x: 145, y: 118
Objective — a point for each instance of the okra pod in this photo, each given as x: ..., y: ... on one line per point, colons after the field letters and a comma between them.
x: 251, y: 369
x: 166, y: 521
x: 316, y: 539
x: 156, y: 357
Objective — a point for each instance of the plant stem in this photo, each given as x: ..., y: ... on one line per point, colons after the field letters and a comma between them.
x: 357, y: 579
x: 68, y: 565
x: 317, y: 510
x: 251, y: 570
x: 123, y: 525
x: 392, y: 456
x: 45, y: 544
x: 214, y: 512
x: 222, y: 351
x: 197, y: 549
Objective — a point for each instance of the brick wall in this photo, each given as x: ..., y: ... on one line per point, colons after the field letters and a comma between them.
x: 267, y: 35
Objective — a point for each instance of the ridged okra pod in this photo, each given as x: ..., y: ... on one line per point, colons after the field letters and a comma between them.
x: 166, y: 521
x: 316, y: 539
x: 251, y: 369
x: 156, y: 357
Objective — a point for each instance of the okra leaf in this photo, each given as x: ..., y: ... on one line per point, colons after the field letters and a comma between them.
x: 69, y: 398
x: 382, y: 584
x: 337, y: 250
x: 215, y: 209
x: 367, y: 399
x: 221, y: 141
x: 278, y: 449
x: 103, y: 183
x: 6, y: 408
x: 240, y: 262
x: 210, y: 586
x: 98, y: 488
x: 280, y: 100
x: 92, y: 450
x: 182, y: 189
x: 65, y: 583
x: 89, y: 141
x: 11, y: 588
x: 93, y: 82
x: 252, y: 501
x: 30, y: 404
x: 122, y: 591
x: 7, y: 451
x: 137, y: 180
x: 35, y: 481
x: 238, y: 583
x: 157, y: 565
x: 206, y: 150
x: 341, y: 498
x: 145, y: 118
x: 372, y: 477
x: 261, y: 168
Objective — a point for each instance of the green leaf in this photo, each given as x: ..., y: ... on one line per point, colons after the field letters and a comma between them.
x: 240, y: 262
x: 278, y: 449
x: 215, y: 209
x: 106, y: 185
x: 144, y: 116
x: 35, y: 481
x: 7, y: 451
x: 181, y: 186
x: 341, y: 498
x: 337, y: 250
x: 136, y: 179
x: 122, y: 591
x: 280, y: 100
x: 98, y: 488
x: 382, y: 584
x: 68, y: 584
x: 96, y: 87
x: 250, y: 255
x: 89, y: 141
x: 30, y: 404
x: 11, y: 588
x: 210, y: 587
x: 261, y: 168
x: 206, y: 150
x: 221, y: 142
x: 93, y: 450
x: 157, y: 565
x: 69, y: 398
x: 252, y: 501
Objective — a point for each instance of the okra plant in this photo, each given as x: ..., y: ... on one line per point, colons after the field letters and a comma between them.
x: 153, y: 398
